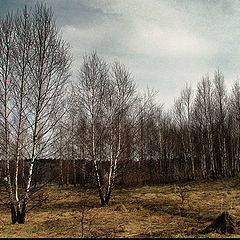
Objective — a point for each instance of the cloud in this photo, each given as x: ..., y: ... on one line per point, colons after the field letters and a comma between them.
x: 164, y: 43
x: 161, y: 52
x: 159, y: 41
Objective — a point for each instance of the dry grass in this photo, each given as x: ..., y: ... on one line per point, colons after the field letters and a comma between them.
x: 149, y: 211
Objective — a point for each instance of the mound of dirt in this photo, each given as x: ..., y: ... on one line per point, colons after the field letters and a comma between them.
x: 139, y: 208
x: 222, y: 224
x: 120, y: 208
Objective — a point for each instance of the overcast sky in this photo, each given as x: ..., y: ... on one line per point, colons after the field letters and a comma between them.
x: 164, y: 43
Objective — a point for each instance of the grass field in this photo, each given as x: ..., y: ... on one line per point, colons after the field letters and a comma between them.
x: 148, y: 211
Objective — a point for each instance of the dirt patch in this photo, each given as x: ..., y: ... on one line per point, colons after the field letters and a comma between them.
x: 222, y: 224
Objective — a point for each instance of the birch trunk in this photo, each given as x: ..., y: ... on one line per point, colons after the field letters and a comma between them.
x: 34, y: 147
x: 113, y: 171
x: 237, y: 160
x: 99, y: 187
x: 211, y: 153
x: 186, y: 167
x: 203, y: 157
x: 19, y: 136
x: 73, y: 160
x: 110, y: 169
x: 61, y: 160
x: 161, y: 152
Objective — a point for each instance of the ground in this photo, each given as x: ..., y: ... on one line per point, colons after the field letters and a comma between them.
x: 169, y: 210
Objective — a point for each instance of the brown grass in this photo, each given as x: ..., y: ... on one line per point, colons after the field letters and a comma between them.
x: 149, y: 211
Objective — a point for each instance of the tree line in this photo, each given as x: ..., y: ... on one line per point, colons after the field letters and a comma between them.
x: 97, y: 129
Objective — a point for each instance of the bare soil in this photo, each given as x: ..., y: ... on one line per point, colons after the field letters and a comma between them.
x: 148, y: 211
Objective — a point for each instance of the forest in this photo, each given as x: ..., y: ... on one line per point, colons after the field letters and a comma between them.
x: 97, y: 131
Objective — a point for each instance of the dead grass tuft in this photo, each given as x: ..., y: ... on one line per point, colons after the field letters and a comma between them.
x: 120, y: 208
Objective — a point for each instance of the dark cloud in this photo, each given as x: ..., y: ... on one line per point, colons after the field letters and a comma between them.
x: 10, y: 5
x: 77, y: 13
x: 72, y: 12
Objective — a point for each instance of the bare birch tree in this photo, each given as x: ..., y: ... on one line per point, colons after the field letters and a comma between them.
x: 119, y: 99
x: 22, y: 56
x: 186, y: 97
x: 93, y: 78
x: 40, y: 69
x: 7, y: 36
x: 50, y: 71
x: 220, y: 111
x: 105, y: 98
x: 235, y: 102
x: 204, y: 107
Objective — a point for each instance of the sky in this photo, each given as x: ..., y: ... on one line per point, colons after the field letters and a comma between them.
x: 165, y: 44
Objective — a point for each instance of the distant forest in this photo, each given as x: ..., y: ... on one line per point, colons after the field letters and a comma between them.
x: 97, y: 130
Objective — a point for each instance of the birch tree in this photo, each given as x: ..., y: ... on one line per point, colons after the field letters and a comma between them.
x: 204, y: 105
x: 22, y: 56
x: 50, y: 71
x: 7, y: 34
x: 105, y: 95
x: 120, y: 97
x: 235, y: 102
x: 41, y: 70
x: 93, y: 77
x: 186, y: 97
x: 220, y: 111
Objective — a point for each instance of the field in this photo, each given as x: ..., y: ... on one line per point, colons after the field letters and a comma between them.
x: 167, y: 210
